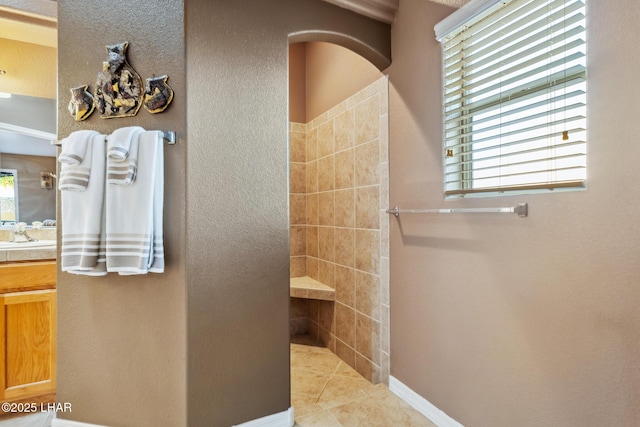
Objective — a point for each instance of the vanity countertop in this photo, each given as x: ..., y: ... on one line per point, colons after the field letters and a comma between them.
x: 43, y: 248
x: 27, y: 254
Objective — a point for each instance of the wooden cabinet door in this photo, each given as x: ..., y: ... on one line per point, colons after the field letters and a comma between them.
x: 28, y: 344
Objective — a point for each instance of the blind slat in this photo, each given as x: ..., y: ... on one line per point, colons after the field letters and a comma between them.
x: 514, y: 103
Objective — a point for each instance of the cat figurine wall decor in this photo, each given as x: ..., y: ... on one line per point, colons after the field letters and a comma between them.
x: 118, y: 87
x: 81, y: 105
x: 157, y: 94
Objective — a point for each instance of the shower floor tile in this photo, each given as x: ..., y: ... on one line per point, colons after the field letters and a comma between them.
x: 326, y: 392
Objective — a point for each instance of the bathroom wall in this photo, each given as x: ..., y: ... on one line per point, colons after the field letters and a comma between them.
x: 122, y: 341
x: 237, y: 216
x: 206, y: 343
x: 339, y: 231
x: 503, y: 321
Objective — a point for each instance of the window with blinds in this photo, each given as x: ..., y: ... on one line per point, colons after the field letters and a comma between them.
x: 515, y: 97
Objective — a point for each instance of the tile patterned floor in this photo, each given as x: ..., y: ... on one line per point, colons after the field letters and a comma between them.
x: 42, y: 419
x: 326, y: 392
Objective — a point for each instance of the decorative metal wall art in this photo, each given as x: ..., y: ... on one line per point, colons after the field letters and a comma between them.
x: 119, y: 91
x: 157, y: 94
x: 81, y: 105
x: 119, y: 86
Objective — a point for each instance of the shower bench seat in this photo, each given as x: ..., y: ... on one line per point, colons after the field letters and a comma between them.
x: 308, y: 288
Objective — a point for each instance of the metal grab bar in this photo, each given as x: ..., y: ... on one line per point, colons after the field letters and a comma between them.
x: 522, y: 210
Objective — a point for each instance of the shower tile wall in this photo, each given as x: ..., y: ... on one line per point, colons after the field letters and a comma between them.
x: 340, y: 231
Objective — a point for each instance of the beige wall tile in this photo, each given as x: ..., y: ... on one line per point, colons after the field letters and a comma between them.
x: 367, y: 162
x: 326, y: 273
x: 368, y: 338
x: 314, y: 311
x: 298, y: 307
x: 367, y: 369
x: 297, y: 178
x: 298, y: 127
x: 297, y: 209
x: 345, y: 208
x: 312, y: 209
x: 326, y: 206
x: 368, y: 251
x: 312, y: 144
x: 312, y: 177
x: 326, y: 315
x: 384, y: 234
x: 345, y: 246
x: 384, y: 186
x: 312, y: 267
x: 384, y: 280
x: 312, y: 241
x: 368, y: 294
x: 345, y: 285
x: 325, y: 139
x: 344, y: 129
x: 346, y: 353
x: 384, y: 138
x: 345, y: 324
x: 384, y: 329
x: 368, y: 207
x: 298, y: 266
x: 326, y: 173
x: 367, y: 119
x: 325, y: 243
x: 297, y: 147
x: 297, y: 240
x: 345, y: 169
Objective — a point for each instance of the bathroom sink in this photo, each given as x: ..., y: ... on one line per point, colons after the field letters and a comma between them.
x: 39, y: 244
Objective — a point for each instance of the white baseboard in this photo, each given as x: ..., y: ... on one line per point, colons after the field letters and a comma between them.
x: 281, y: 419
x: 421, y: 404
x: 58, y: 422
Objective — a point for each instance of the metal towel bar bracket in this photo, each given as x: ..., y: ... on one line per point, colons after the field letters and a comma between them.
x: 522, y: 210
x: 168, y: 136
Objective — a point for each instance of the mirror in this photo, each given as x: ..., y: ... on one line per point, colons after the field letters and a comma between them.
x: 28, y: 105
x: 27, y: 158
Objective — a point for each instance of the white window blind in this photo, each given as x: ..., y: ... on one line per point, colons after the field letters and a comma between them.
x: 515, y: 98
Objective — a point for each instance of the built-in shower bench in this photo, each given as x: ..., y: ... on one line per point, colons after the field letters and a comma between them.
x: 306, y: 287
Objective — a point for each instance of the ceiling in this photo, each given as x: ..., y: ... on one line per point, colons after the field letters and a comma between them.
x: 384, y: 10
x: 32, y: 21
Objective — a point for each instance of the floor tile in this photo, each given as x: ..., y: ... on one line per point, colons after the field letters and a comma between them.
x: 326, y: 392
x: 308, y: 383
x: 320, y: 419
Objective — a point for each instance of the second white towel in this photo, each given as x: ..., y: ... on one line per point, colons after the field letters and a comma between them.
x: 134, y: 213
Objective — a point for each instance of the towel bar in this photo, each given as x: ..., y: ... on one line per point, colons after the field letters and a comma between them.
x: 522, y: 210
x: 168, y: 136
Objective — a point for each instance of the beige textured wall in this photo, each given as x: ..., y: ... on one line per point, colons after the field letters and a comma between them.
x: 31, y: 69
x: 503, y: 321
x: 334, y: 73
x: 237, y: 198
x: 297, y: 82
x: 122, y: 339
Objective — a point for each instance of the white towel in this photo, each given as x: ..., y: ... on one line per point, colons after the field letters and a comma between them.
x: 83, y: 243
x: 119, y: 142
x: 74, y: 147
x: 122, y: 170
x: 134, y: 214
x: 75, y: 176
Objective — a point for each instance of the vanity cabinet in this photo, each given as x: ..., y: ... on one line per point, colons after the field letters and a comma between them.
x: 27, y: 330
